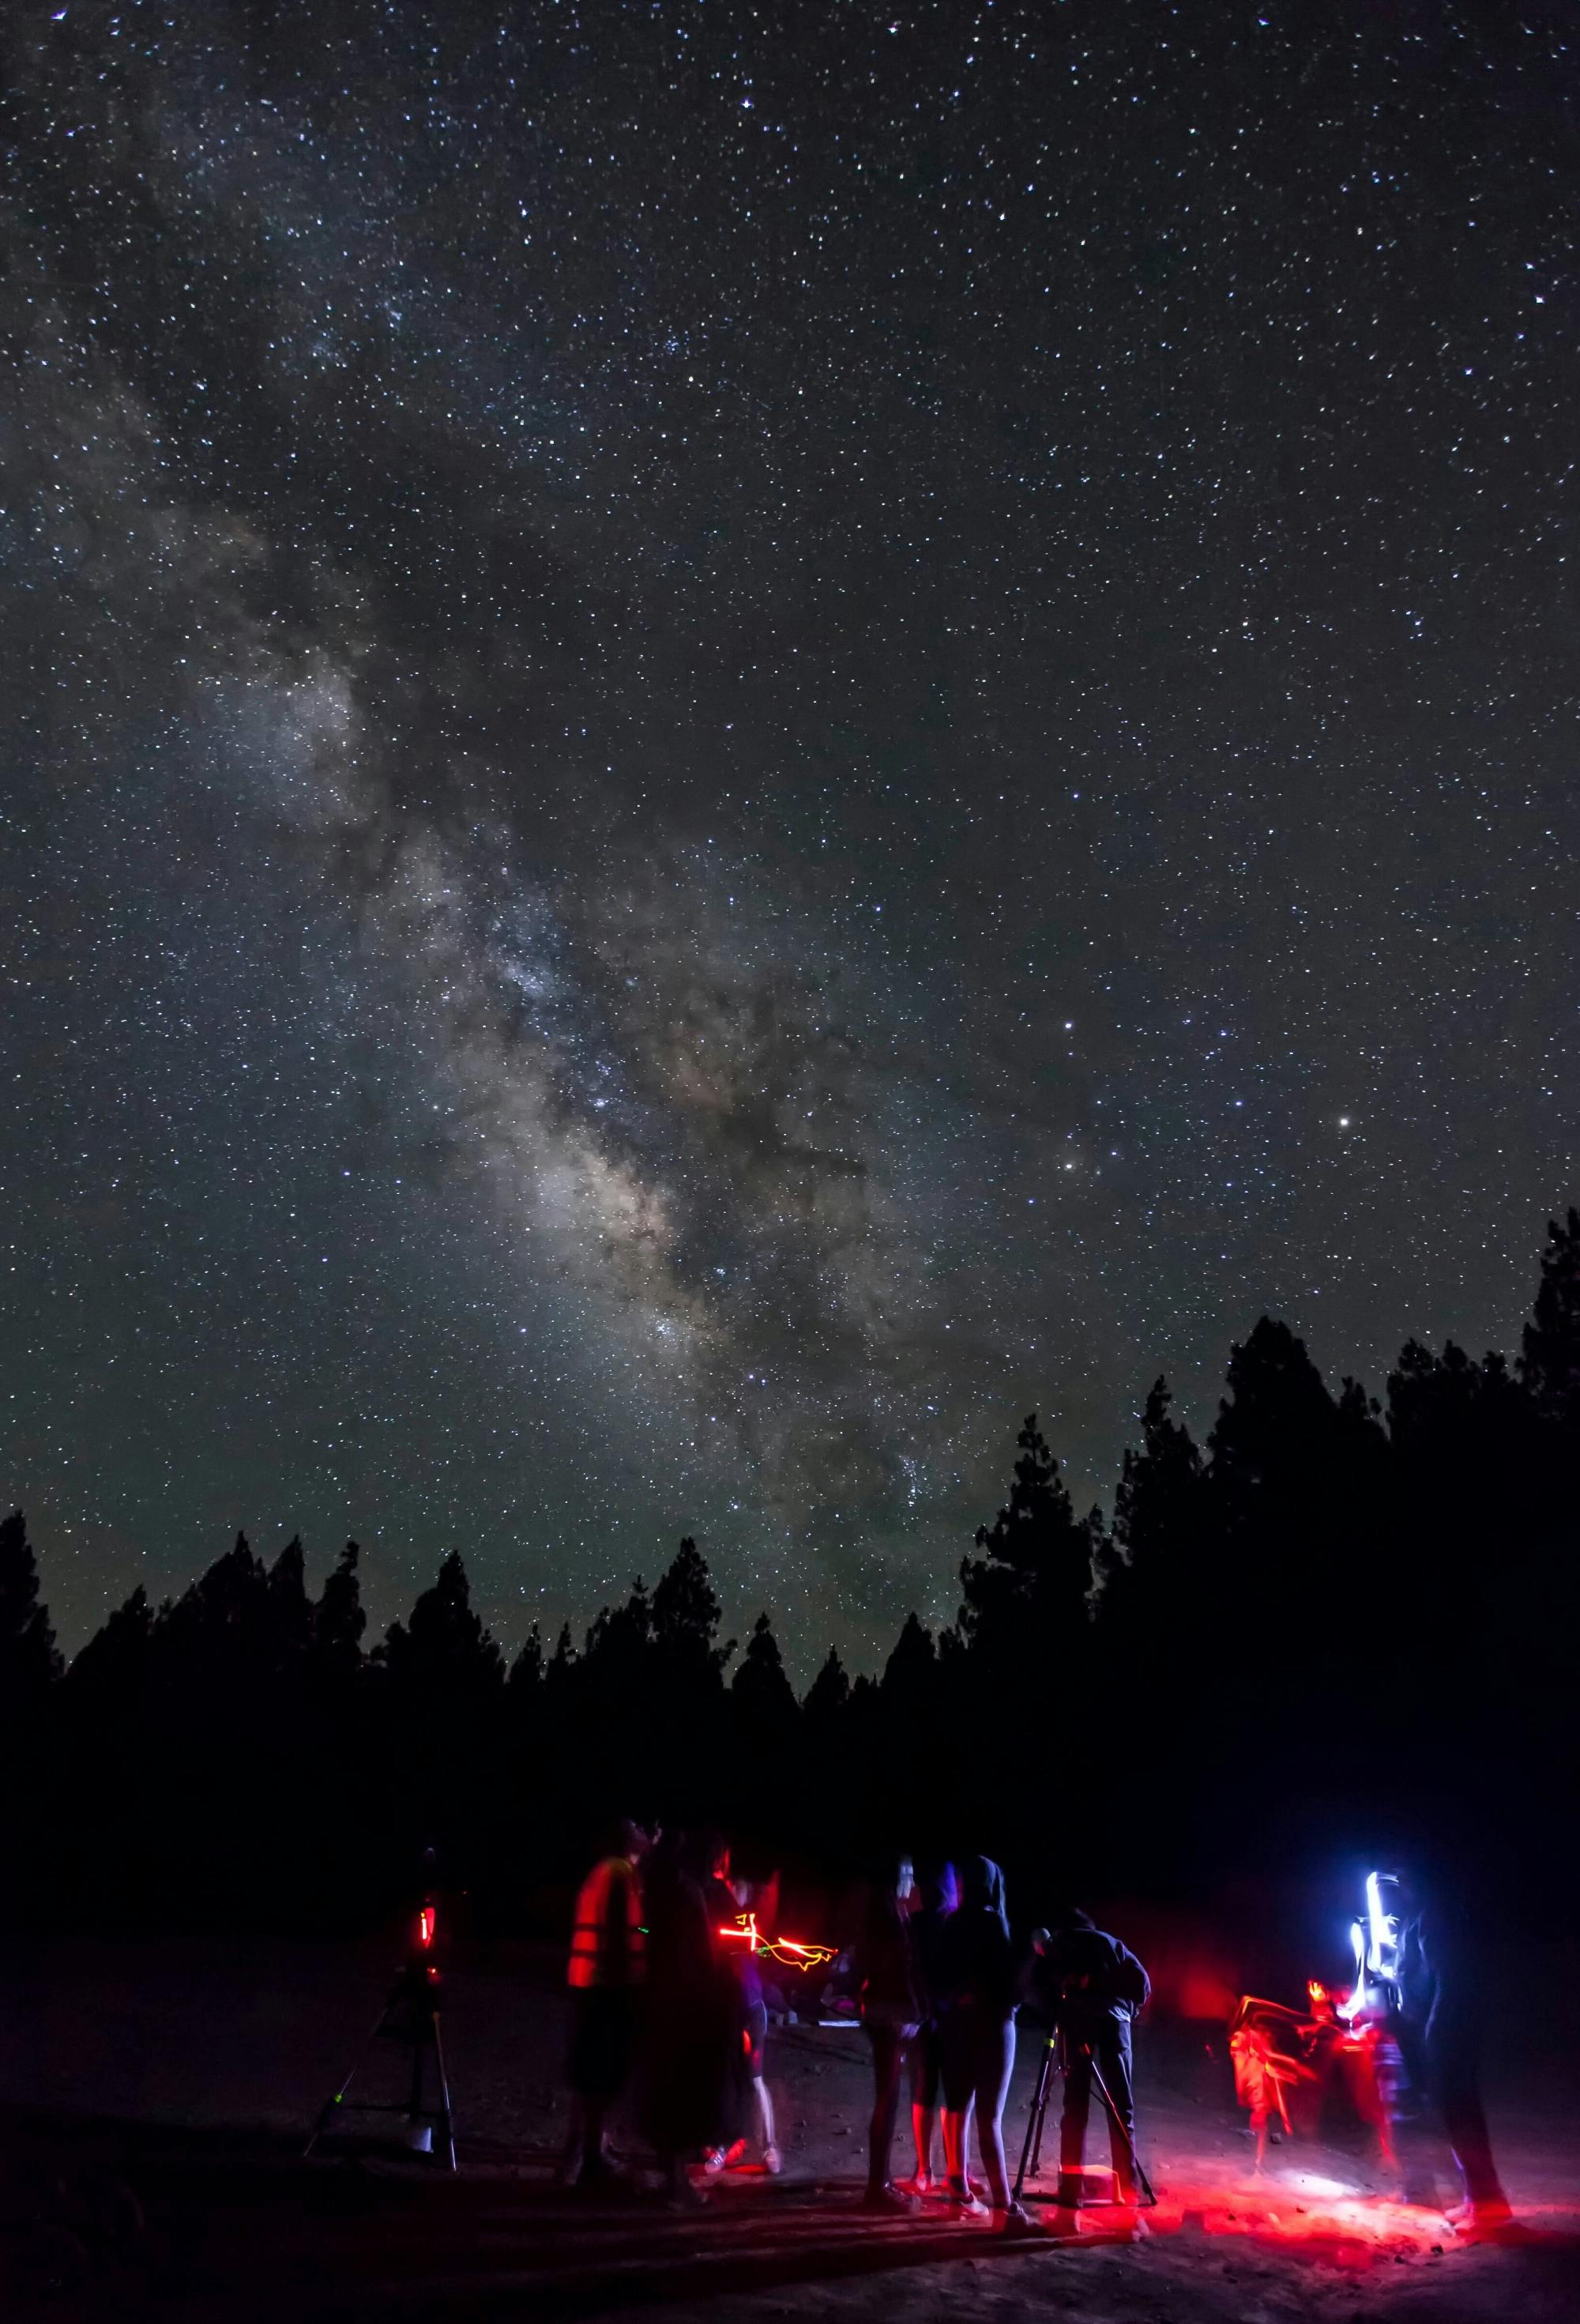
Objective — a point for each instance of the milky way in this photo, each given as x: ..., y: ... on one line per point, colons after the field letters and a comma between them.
x: 733, y: 742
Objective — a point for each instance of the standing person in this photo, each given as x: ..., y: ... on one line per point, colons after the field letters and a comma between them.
x: 1094, y: 1986
x: 939, y: 1894
x: 606, y: 1973
x: 727, y: 1898
x: 892, y: 2009
x: 980, y: 1977
x: 1433, y: 2019
x: 692, y: 2002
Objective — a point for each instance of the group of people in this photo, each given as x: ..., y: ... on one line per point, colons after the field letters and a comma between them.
x: 662, y: 1997
x: 667, y: 1998
x: 942, y: 1980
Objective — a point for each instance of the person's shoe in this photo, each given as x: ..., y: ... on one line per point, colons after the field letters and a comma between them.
x: 964, y: 2204
x: 734, y: 2155
x: 599, y: 2176
x: 1134, y: 2224
x: 1015, y: 2221
x: 921, y: 2185
x: 714, y: 2161
x: 1487, y: 2217
x: 773, y: 2162
x: 888, y: 2200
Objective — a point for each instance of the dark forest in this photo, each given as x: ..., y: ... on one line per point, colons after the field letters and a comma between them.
x: 1340, y: 1623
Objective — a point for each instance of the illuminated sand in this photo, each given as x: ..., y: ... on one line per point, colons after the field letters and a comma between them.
x: 190, y: 2071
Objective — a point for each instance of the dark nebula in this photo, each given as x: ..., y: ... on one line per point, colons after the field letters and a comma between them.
x: 736, y: 738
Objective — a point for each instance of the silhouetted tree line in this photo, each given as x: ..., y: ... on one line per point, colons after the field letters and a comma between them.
x: 1335, y: 1618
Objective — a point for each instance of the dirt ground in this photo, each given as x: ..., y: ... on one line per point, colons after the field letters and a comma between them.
x: 154, y: 2100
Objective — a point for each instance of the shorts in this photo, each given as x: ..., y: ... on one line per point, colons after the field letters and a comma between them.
x: 926, y: 2067
x: 755, y: 2021
x: 602, y: 2040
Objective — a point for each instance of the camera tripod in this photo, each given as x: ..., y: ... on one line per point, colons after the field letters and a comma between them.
x: 411, y: 2015
x: 1056, y: 2059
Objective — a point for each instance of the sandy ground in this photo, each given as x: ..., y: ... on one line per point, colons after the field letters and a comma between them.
x: 153, y: 2100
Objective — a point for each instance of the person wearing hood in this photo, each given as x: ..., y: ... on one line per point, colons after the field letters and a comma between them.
x: 979, y: 1976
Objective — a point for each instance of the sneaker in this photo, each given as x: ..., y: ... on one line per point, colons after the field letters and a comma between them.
x: 714, y: 2161
x: 965, y: 2204
x: 773, y: 2162
x: 921, y: 2186
x: 889, y: 2200
x: 1015, y: 2221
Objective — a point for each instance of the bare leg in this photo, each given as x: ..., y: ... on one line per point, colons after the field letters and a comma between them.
x: 923, y: 2119
x: 764, y: 2104
x: 992, y: 2089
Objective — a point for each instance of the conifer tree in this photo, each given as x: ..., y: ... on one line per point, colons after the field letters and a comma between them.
x: 829, y: 1691
x: 1029, y: 1588
x: 444, y: 1654
x: 338, y: 1621
x: 29, y: 1663
x: 1549, y: 1347
x: 685, y: 1619
x: 763, y: 1697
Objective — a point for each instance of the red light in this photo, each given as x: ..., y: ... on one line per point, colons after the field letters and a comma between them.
x: 788, y: 1951
x: 425, y: 1922
x: 1317, y: 1992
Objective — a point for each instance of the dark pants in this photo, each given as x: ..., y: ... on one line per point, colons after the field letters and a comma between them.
x: 1108, y: 2040
x: 1441, y: 2073
x: 888, y: 2065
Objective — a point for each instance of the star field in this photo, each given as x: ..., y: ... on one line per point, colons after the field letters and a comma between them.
x: 735, y: 738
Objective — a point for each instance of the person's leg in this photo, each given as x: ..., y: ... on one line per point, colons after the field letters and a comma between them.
x: 888, y: 2061
x: 995, y: 2065
x: 956, y: 2064
x: 1072, y: 2121
x: 1113, y: 2056
x: 1451, y: 2068
x: 923, y: 2103
x: 600, y: 2065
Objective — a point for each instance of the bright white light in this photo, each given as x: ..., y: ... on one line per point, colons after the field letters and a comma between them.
x: 1382, y: 1931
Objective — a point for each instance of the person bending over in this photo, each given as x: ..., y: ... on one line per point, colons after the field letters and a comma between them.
x: 1093, y: 1987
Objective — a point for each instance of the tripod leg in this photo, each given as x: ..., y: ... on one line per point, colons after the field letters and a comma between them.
x: 447, y: 2126
x: 1116, y: 2118
x: 326, y: 2111
x: 1034, y: 2120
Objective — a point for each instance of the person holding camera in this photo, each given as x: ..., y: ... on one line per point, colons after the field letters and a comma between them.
x: 1093, y: 1987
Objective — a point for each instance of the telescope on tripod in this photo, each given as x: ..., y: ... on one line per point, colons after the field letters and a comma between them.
x: 410, y: 2019
x: 1057, y: 2052
x: 1092, y: 1989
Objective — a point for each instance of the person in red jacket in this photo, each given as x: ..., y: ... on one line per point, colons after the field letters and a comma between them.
x: 607, y: 1969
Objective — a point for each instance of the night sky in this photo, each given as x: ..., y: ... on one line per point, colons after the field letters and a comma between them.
x: 736, y: 737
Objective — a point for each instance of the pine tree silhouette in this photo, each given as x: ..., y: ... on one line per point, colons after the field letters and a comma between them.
x: 1028, y: 1592
x: 763, y: 1697
x: 829, y: 1691
x: 1549, y: 1345
x: 338, y: 1621
x: 28, y: 1662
